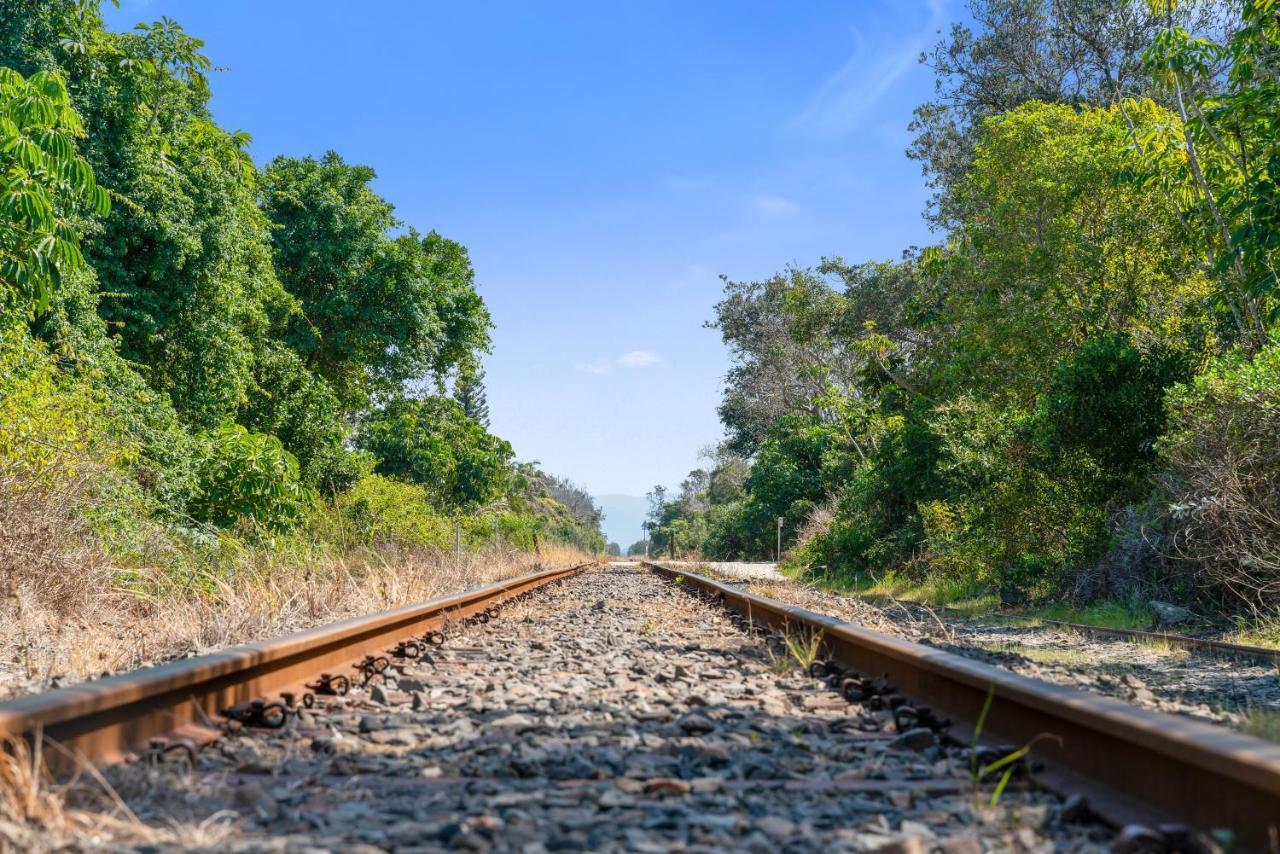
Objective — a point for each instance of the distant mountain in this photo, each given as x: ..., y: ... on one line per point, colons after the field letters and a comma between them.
x: 622, y: 517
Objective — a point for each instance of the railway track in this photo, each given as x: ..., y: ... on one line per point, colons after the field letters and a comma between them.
x: 1203, y: 646
x: 618, y: 713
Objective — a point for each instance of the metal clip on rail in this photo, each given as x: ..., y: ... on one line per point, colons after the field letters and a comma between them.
x: 258, y: 713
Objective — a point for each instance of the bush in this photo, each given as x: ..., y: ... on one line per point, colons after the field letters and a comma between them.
x: 381, y: 510
x: 300, y: 408
x: 1222, y: 449
x: 431, y: 442
x: 246, y: 477
x: 1106, y: 399
x: 49, y: 423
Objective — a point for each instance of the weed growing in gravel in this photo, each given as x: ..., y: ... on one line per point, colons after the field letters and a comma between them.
x: 801, y: 649
x: 804, y: 647
x: 1009, y: 762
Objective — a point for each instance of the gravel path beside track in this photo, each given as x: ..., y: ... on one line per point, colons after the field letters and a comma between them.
x: 609, y: 713
x: 1216, y: 689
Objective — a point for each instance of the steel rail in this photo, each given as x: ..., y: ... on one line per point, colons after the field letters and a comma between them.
x: 1132, y: 764
x: 179, y: 702
x: 1205, y: 645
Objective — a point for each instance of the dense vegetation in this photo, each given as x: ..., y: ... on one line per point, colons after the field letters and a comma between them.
x: 231, y: 351
x: 1075, y: 393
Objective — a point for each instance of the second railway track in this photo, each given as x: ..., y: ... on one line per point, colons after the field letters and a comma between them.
x: 615, y: 712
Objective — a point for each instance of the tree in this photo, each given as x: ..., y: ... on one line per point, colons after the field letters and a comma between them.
x: 183, y: 260
x: 376, y: 310
x: 433, y: 443
x: 1056, y: 247
x: 44, y: 184
x: 468, y: 390
x: 795, y: 338
x: 613, y: 550
x: 1078, y: 52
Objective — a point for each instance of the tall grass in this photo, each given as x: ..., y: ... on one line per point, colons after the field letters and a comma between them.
x: 73, y: 605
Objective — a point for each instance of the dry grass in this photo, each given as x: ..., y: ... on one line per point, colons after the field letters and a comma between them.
x: 67, y: 613
x: 1262, y: 722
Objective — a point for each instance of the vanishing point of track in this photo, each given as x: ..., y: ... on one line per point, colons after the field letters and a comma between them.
x: 1132, y: 765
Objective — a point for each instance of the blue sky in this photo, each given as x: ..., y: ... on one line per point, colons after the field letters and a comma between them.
x: 603, y: 163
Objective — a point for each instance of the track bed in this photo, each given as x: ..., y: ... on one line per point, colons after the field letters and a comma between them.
x: 611, y: 712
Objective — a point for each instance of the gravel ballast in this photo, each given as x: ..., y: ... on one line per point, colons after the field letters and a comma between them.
x: 612, y: 712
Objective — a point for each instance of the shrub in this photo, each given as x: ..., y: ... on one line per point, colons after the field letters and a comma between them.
x: 1222, y: 449
x: 433, y: 443
x: 289, y: 401
x: 1106, y: 399
x: 246, y: 477
x: 381, y: 510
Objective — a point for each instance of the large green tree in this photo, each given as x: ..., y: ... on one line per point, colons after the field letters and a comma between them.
x: 377, y: 309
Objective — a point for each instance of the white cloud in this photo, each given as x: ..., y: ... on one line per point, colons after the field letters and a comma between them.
x: 638, y: 359
x: 771, y: 205
x: 854, y: 87
x: 599, y: 366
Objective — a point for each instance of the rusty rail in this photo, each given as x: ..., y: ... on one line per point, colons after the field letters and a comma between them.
x: 1132, y: 764
x: 1202, y: 645
x: 179, y: 702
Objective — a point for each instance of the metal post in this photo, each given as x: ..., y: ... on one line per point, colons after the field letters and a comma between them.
x: 457, y: 543
x: 644, y: 534
x: 497, y: 537
x: 779, y: 558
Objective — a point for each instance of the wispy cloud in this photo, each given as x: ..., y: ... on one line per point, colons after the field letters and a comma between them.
x: 634, y: 359
x: 842, y: 99
x: 638, y: 359
x: 599, y: 366
x: 768, y: 204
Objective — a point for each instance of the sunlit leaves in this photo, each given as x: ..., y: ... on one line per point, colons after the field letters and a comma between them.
x: 43, y: 181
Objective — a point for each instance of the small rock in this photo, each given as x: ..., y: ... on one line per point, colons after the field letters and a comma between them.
x: 900, y: 798
x: 915, y: 739
x: 697, y: 724
x: 776, y: 827
x: 513, y: 721
x: 967, y: 844
x: 706, y: 785
x: 378, y: 694
x: 915, y: 828
x: 904, y: 845
x: 667, y: 786
x: 410, y: 685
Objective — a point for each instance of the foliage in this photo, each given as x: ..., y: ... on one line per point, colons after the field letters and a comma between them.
x: 431, y: 442
x: 246, y: 477
x: 44, y: 183
x: 1071, y: 52
x: 376, y: 310
x: 293, y: 404
x: 51, y: 424
x: 1222, y: 450
x: 381, y: 509
x: 1107, y: 400
x: 1054, y: 250
x: 468, y: 390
